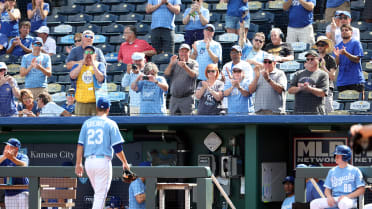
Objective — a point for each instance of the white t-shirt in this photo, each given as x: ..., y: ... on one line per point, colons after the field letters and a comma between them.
x: 338, y: 38
x: 50, y: 45
x: 51, y: 109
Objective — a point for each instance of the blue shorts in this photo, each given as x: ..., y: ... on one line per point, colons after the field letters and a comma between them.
x: 232, y: 22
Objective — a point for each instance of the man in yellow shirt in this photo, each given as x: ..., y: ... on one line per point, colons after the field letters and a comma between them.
x: 88, y: 75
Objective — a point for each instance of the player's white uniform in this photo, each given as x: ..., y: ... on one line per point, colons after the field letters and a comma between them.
x: 341, y: 181
x: 98, y: 135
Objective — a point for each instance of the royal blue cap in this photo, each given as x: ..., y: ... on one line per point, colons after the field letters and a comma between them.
x: 288, y: 179
x: 37, y: 40
x: 103, y: 103
x: 338, y: 13
x: 13, y: 142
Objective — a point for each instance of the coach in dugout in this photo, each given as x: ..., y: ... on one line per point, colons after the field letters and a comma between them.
x: 15, y: 199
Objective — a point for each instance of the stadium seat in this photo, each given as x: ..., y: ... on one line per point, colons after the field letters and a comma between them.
x: 97, y: 8
x: 137, y: 1
x: 228, y: 38
x: 253, y: 28
x: 112, y: 1
x: 60, y: 69
x: 99, y: 39
x: 162, y: 68
x: 118, y: 96
x: 55, y: 87
x: 369, y: 45
x: 115, y: 68
x: 320, y: 27
x: 163, y: 58
x: 117, y: 79
x: 106, y: 48
x: 78, y: 19
x: 71, y: 9
x: 274, y: 6
x: 363, y: 26
x: 178, y: 19
x: 214, y: 17
x: 104, y: 18
x: 146, y: 37
x: 358, y: 106
x: 13, y: 69
x: 291, y: 66
x: 52, y: 79
x: 122, y: 8
x: 179, y: 38
x: 337, y: 105
x: 367, y: 55
x: 289, y: 106
x: 131, y: 18
x: 255, y: 5
x: 112, y: 29
x: 350, y: 95
x: 300, y: 57
x: 220, y: 7
x: 142, y: 29
x: 357, y: 5
x: 95, y: 28
x: 20, y: 79
x: 367, y: 66
x: 109, y: 78
x: 141, y: 8
x: 148, y: 19
x: 118, y: 108
x: 85, y: 2
x: 369, y: 97
x: 366, y: 36
x: 56, y: 19
x: 262, y: 16
x: 8, y: 58
x: 59, y: 97
x: 63, y: 79
x: 111, y: 57
x: 62, y: 30
x: 299, y: 46
x: 180, y: 29
x: 112, y: 87
x: 355, y: 15
x: 118, y: 39
x: 220, y: 28
x: 65, y: 40
x: 58, y: 59
x: 212, y: 1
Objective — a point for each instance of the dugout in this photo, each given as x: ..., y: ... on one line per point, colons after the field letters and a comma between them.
x: 178, y: 140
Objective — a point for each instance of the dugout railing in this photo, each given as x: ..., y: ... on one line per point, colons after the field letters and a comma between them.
x: 204, y: 188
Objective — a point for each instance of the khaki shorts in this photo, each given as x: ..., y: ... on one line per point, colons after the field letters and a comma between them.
x: 85, y: 109
x: 330, y: 12
x: 37, y: 91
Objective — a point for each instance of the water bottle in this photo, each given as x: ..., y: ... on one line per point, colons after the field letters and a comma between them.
x: 9, y: 180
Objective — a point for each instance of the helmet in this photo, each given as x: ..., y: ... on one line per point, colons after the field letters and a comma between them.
x: 343, y: 150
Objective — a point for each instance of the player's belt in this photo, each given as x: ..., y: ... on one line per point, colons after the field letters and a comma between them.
x: 95, y: 156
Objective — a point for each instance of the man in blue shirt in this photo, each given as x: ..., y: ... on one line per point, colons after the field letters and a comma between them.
x: 21, y: 45
x: 98, y: 140
x: 334, y: 5
x: 288, y: 184
x: 252, y: 52
x: 36, y: 67
x: 137, y: 196
x: 15, y: 199
x: 8, y: 92
x: 3, y: 43
x: 300, y: 28
x: 162, y: 25
x: 344, y: 183
x: 348, y: 56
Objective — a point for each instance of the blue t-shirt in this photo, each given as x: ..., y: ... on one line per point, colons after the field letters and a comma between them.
x: 69, y: 108
x: 152, y: 97
x: 311, y: 193
x: 36, y: 20
x: 16, y: 181
x: 98, y: 135
x: 335, y: 3
x: 136, y: 187
x: 203, y: 57
x: 194, y: 23
x: 4, y: 43
x: 8, y: 27
x: 35, y: 78
x: 287, y: 203
x: 249, y: 53
x: 77, y: 54
x: 300, y: 17
x: 350, y: 72
x: 233, y: 7
x: 343, y: 181
x: 34, y: 110
x: 7, y: 103
x: 237, y: 103
x: 163, y: 17
x: 18, y: 51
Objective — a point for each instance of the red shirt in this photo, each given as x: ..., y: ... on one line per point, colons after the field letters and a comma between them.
x: 126, y: 50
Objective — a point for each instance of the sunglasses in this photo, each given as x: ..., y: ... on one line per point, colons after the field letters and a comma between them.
x: 237, y: 71
x: 343, y: 17
x: 211, y: 71
x: 209, y: 29
x: 321, y: 44
x: 89, y: 36
x: 310, y: 59
x: 37, y: 44
x: 258, y: 40
x: 71, y: 95
x: 195, y: 0
x: 267, y: 62
x: 77, y: 40
x: 3, y: 69
x: 89, y: 52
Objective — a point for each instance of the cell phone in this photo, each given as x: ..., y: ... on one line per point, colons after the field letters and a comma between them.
x: 145, y: 77
x: 134, y: 67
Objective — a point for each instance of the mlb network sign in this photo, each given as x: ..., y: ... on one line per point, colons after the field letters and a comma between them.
x: 316, y: 151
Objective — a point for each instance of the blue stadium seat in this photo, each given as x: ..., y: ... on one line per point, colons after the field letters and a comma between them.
x: 58, y: 59
x: 56, y: 19
x: 366, y: 36
x: 117, y: 78
x: 52, y: 79
x: 78, y: 19
x: 355, y: 15
x: 253, y: 28
x: 142, y: 29
x: 141, y: 8
x: 71, y: 9
x: 55, y: 87
x: 60, y: 69
x: 262, y: 16
x: 180, y: 28
x: 95, y: 28
x: 111, y: 57
x: 367, y: 55
x: 148, y: 19
x: 112, y: 1
x: 220, y: 27
x: 97, y: 8
x: 146, y: 37
x: 363, y: 26
x: 113, y: 29
x: 130, y: 18
x: 214, y: 17
x: 62, y: 29
x: 137, y: 1
x: 179, y: 18
x: 255, y: 6
x: 118, y: 39
x: 111, y: 87
x: 119, y: 108
x: 358, y: 107
x: 162, y: 68
x: 106, y: 48
x: 367, y: 66
x: 117, y: 96
x: 357, y: 5
x: 289, y: 106
x: 104, y: 18
x: 228, y: 38
x: 115, y: 68
x: 274, y: 6
x: 63, y: 79
x: 320, y: 27
x: 122, y: 8
x: 85, y: 2
x: 369, y: 45
x: 8, y: 58
x: 163, y: 58
x: 66, y: 40
x: 99, y: 39
x: 291, y: 66
x: 299, y: 46
x: 220, y: 7
x: 337, y: 106
x: 13, y: 69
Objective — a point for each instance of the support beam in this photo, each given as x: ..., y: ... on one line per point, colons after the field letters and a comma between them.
x: 251, y: 165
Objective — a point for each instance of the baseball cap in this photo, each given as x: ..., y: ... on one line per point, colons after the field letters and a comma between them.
x: 43, y: 29
x: 103, y: 103
x: 3, y: 66
x: 288, y: 179
x: 185, y: 46
x: 312, y: 52
x: 71, y: 91
x: 338, y: 13
x: 90, y: 47
x: 238, y: 66
x: 13, y: 142
x: 210, y: 26
x: 138, y: 56
x: 237, y: 48
x: 88, y: 32
x: 37, y: 40
x: 269, y: 57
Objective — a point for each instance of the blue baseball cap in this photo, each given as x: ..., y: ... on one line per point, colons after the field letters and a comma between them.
x: 38, y: 40
x: 210, y: 26
x: 339, y: 13
x: 301, y: 166
x: 13, y: 142
x: 289, y: 179
x: 103, y: 103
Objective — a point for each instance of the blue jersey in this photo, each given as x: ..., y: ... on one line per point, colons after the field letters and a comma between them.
x: 98, y: 135
x: 35, y: 78
x: 8, y: 27
x: 343, y: 181
x: 16, y: 181
x: 36, y: 20
x: 300, y: 17
x: 237, y: 103
x: 136, y: 187
x: 287, y: 203
x: 152, y: 97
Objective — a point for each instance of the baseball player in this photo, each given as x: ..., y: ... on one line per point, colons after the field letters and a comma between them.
x: 15, y: 199
x: 288, y: 184
x: 344, y: 183
x: 99, y: 139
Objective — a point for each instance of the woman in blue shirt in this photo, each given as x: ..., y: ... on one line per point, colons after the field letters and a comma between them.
x: 195, y: 18
x: 10, y: 17
x: 37, y: 13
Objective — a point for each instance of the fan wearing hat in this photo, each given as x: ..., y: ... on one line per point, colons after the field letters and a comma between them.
x: 36, y: 67
x: 288, y: 184
x: 328, y: 65
x: 70, y: 101
x: 310, y: 86
x: 333, y: 6
x: 49, y: 44
x: 15, y: 199
x: 8, y: 92
x: 333, y: 30
x: 21, y: 45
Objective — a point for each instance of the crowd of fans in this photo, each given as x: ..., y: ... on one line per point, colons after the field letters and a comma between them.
x: 195, y: 79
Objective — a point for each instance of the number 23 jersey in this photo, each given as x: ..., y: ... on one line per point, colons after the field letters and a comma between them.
x: 343, y: 181
x: 98, y: 135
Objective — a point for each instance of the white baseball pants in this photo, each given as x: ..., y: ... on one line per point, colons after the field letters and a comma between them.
x: 345, y: 203
x: 19, y: 201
